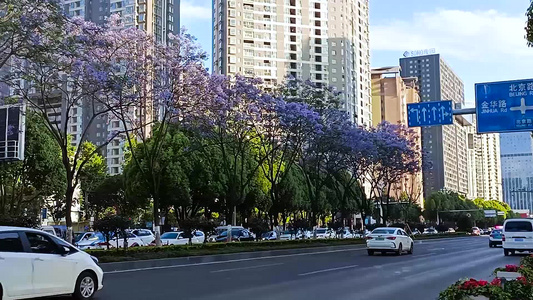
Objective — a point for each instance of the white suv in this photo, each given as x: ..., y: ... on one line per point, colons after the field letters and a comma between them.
x: 517, y: 236
x: 44, y: 265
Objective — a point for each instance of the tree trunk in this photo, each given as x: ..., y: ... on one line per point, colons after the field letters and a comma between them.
x: 156, y: 220
x: 69, y: 195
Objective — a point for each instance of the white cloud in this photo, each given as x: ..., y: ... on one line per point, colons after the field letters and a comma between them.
x: 482, y: 36
x: 195, y: 9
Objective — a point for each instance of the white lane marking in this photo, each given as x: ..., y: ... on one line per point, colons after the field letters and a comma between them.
x: 328, y: 270
x: 435, y: 249
x: 230, y: 261
x: 245, y: 268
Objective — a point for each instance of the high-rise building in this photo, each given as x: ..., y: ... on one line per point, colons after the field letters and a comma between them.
x: 326, y: 42
x: 445, y: 146
x: 159, y: 17
x: 390, y: 96
x: 516, y: 165
x: 484, y: 173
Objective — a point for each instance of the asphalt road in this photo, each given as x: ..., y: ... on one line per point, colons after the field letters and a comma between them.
x: 325, y: 273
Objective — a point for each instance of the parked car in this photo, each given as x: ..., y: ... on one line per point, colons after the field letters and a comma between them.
x: 517, y: 236
x: 57, y: 230
x: 346, y: 233
x: 430, y: 231
x: 133, y: 241
x: 180, y: 238
x: 306, y: 234
x: 476, y: 231
x: 389, y: 239
x: 145, y: 235
x: 450, y: 230
x: 269, y: 236
x: 495, y: 238
x: 289, y: 235
x: 213, y: 237
x: 44, y: 265
x: 237, y: 235
x: 321, y: 233
x: 90, y: 240
x: 416, y: 232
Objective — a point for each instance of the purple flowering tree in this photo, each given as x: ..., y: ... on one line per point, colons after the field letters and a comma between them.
x: 283, y: 133
x: 236, y: 116
x: 29, y: 27
x: 396, y: 155
x: 321, y: 160
x: 72, y: 89
x: 355, y: 156
x: 160, y: 86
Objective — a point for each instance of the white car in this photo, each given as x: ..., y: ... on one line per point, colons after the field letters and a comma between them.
x: 346, y: 234
x: 44, y: 265
x: 145, y: 235
x: 288, y: 235
x: 517, y: 236
x: 430, y: 231
x: 389, y: 239
x: 131, y: 239
x: 269, y: 236
x: 90, y: 240
x: 321, y: 233
x: 178, y: 238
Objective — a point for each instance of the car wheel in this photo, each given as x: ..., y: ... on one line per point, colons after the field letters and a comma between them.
x: 491, y: 245
x: 400, y: 250
x: 86, y: 286
x: 508, y: 252
x: 370, y: 252
x: 411, y: 249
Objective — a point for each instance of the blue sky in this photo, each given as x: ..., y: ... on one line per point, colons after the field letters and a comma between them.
x: 481, y: 40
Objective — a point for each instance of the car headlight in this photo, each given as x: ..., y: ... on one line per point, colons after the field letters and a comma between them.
x: 94, y: 259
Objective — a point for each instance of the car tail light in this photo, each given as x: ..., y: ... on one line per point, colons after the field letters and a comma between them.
x: 369, y: 237
x: 503, y: 238
x: 391, y: 238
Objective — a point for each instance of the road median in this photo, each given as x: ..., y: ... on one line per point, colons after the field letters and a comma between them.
x: 149, y: 253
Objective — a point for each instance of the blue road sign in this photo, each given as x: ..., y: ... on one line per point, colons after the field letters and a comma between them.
x: 504, y: 106
x: 429, y: 113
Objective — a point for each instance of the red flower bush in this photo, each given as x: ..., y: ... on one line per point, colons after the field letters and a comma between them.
x: 472, y: 284
x: 496, y: 282
x: 511, y: 268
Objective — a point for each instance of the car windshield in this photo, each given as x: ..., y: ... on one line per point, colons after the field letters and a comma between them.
x: 321, y: 230
x: 233, y: 232
x: 78, y: 237
x: 496, y: 232
x: 384, y: 231
x: 169, y: 235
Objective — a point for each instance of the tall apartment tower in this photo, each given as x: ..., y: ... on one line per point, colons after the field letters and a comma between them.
x: 159, y: 17
x: 445, y: 146
x: 390, y: 96
x: 324, y: 41
x: 484, y: 173
x: 516, y: 165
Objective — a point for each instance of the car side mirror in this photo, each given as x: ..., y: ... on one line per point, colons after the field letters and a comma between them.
x: 64, y: 251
